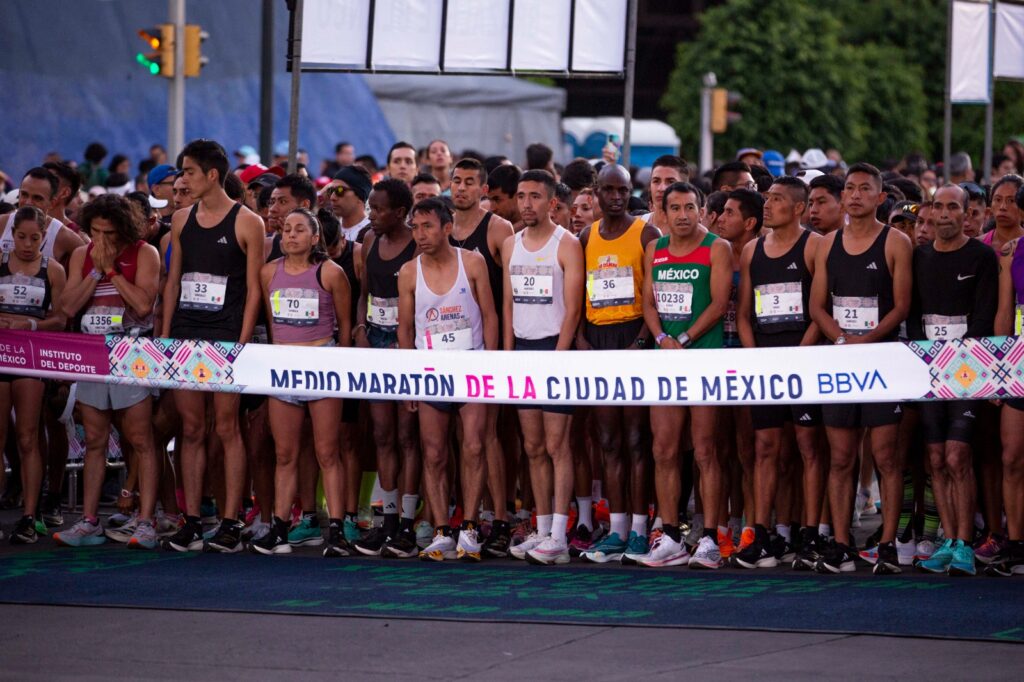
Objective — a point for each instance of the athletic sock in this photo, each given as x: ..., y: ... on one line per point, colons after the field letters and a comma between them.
x: 192, y: 520
x: 559, y: 523
x: 931, y: 512
x: 389, y: 501
x: 544, y: 524
x: 487, y: 515
x: 409, y: 504
x: 903, y: 530
x: 640, y: 525
x: 658, y: 523
x: 620, y: 524
x: 825, y: 530
x: 584, y: 511
x: 784, y: 531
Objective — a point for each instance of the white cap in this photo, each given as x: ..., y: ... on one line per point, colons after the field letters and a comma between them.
x: 814, y: 158
x: 808, y: 174
x: 793, y: 156
x: 157, y: 203
x: 11, y: 197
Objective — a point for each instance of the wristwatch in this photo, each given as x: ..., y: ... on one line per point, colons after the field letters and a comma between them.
x: 683, y: 339
x: 841, y: 339
x: 659, y: 338
x: 96, y: 274
x: 641, y: 342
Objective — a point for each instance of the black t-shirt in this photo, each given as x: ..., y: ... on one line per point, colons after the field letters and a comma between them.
x: 952, y: 289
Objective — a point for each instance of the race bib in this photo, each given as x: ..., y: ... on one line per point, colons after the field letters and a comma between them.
x: 200, y: 291
x: 21, y: 293
x: 382, y: 312
x: 532, y: 284
x: 296, y: 307
x: 942, y: 327
x: 779, y: 302
x: 103, y: 320
x: 456, y: 335
x: 674, y: 300
x: 855, y: 314
x: 607, y: 287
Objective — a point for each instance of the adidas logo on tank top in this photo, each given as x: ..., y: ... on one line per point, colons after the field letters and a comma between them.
x: 222, y: 240
x: 872, y: 266
x: 792, y: 266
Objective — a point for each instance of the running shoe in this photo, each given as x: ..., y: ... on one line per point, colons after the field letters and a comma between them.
x: 746, y: 538
x: 337, y: 544
x: 924, y: 550
x: 549, y: 552
x: 350, y: 528
x: 166, y: 526
x: 519, y: 551
x: 1010, y: 562
x: 124, y: 532
x: 865, y: 504
x: 498, y: 542
x: 25, y: 532
x: 402, y: 546
x: 991, y: 547
x: 468, y: 547
x: 610, y: 548
x: 726, y: 547
x: 82, y: 534
x: 189, y: 538
x: 963, y: 560
x: 228, y: 538
x: 691, y: 538
x: 838, y: 558
x: 708, y: 555
x: 255, y: 530
x: 636, y: 546
x: 757, y: 554
x: 582, y: 540
x: 52, y: 515
x: 372, y: 543
x: 424, y: 533
x: 782, y: 549
x: 144, y: 537
x: 905, y: 552
x: 940, y: 560
x: 810, y: 550
x: 274, y: 542
x: 887, y: 560
x: 442, y: 548
x: 521, y: 530
x: 664, y: 552
x: 306, y: 534
x: 117, y: 519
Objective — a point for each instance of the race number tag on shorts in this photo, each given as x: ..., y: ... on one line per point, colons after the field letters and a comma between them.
x: 382, y: 312
x: 21, y: 293
x: 200, y: 291
x: 448, y: 336
x: 296, y: 307
x: 103, y: 320
x: 674, y: 300
x: 607, y: 287
x: 532, y: 284
x: 729, y: 319
x: 1018, y: 319
x: 941, y: 327
x: 260, y: 334
x: 779, y: 302
x: 855, y: 314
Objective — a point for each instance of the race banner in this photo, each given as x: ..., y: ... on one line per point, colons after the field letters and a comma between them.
x: 986, y: 368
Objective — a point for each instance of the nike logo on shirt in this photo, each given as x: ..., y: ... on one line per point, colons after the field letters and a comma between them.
x: 961, y: 278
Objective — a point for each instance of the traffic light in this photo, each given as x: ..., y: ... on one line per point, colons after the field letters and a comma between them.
x: 721, y: 117
x: 194, y: 59
x: 159, y: 57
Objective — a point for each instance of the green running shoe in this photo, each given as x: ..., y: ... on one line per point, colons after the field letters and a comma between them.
x: 963, y: 560
x: 636, y: 548
x: 306, y: 533
x: 940, y: 560
x: 610, y: 548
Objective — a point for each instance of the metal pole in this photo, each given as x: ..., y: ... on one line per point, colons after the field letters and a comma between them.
x: 947, y: 134
x: 267, y: 83
x: 176, y: 87
x: 293, y: 120
x: 627, y: 105
x: 986, y: 164
x: 707, y: 142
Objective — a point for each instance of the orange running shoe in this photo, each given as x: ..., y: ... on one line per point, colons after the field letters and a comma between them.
x: 746, y: 538
x: 725, y: 545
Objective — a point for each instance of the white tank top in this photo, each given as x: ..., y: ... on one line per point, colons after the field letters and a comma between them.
x: 449, y: 321
x: 538, y: 300
x: 49, y: 239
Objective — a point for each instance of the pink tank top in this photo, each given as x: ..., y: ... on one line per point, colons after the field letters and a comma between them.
x: 301, y: 309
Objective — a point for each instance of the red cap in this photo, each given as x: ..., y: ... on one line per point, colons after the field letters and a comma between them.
x: 279, y: 171
x: 252, y: 172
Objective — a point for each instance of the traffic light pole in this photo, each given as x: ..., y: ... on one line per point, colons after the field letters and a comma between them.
x: 706, y: 137
x: 176, y: 87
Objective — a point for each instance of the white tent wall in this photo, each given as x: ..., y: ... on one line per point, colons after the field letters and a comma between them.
x: 490, y: 114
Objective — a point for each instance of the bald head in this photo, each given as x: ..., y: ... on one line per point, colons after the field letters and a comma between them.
x: 614, y: 170
x: 613, y: 190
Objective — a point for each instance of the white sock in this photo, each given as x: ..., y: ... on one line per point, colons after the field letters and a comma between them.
x: 409, y: 504
x: 640, y: 525
x: 487, y: 515
x: 559, y: 522
x: 543, y: 524
x: 824, y: 530
x: 389, y: 499
x: 620, y: 524
x: 585, y: 512
x: 595, y: 489
x: 784, y: 532
x: 657, y: 523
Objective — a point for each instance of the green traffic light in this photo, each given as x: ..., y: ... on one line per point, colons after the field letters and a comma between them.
x: 154, y: 69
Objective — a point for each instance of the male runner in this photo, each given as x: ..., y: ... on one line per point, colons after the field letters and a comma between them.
x: 860, y: 294
x: 543, y: 294
x: 39, y: 188
x: 444, y: 303
x: 666, y: 170
x: 289, y: 193
x: 439, y: 158
x: 775, y: 288
x: 955, y: 296
x: 686, y: 292
x: 425, y: 186
x: 614, y: 256
x: 825, y: 213
x: 502, y: 186
x: 213, y: 280
x: 69, y: 182
x: 347, y: 193
x: 401, y: 163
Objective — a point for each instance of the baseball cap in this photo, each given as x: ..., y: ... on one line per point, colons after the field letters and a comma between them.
x: 814, y: 158
x: 808, y: 174
x: 749, y: 150
x: 281, y: 148
x: 907, y: 211
x: 245, y: 150
x: 265, y: 180
x: 774, y: 162
x: 252, y: 172
x: 160, y: 173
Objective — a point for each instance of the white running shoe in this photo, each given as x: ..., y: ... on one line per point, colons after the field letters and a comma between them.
x: 424, y: 533
x: 906, y: 552
x: 519, y: 551
x: 165, y: 525
x: 468, y: 546
x: 442, y: 548
x: 924, y: 550
x: 256, y: 530
x: 665, y: 552
x: 707, y: 555
x: 123, y: 532
x: 549, y: 551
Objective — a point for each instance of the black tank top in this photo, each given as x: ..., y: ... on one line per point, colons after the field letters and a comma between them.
x: 211, y: 259
x: 275, y: 248
x: 346, y: 262
x: 382, y: 275
x: 20, y: 294
x: 775, y: 282
x: 864, y: 276
x: 477, y: 241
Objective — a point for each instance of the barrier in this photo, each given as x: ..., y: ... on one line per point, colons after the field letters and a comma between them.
x: 985, y: 368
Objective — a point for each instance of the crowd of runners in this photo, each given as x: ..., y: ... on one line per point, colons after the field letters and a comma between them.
x: 475, y: 254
